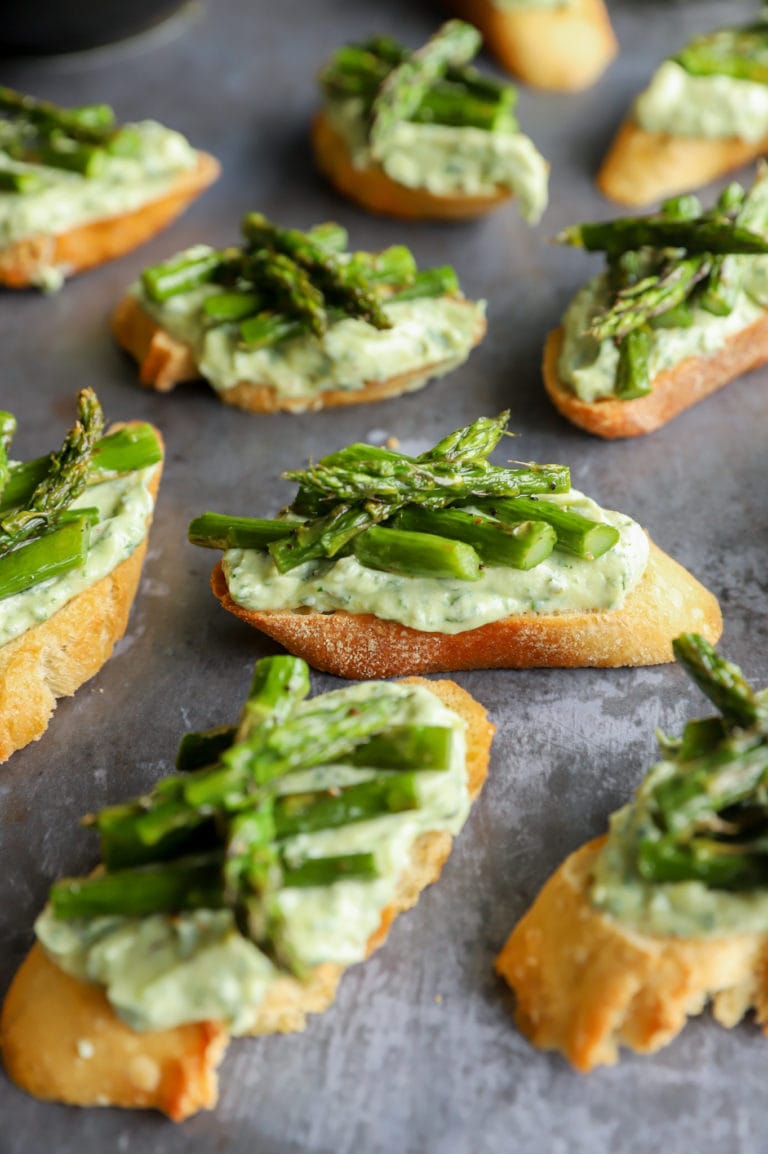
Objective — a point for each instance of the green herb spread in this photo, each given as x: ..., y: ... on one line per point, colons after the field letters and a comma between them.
x: 296, y: 312
x: 714, y: 107
x: 560, y: 584
x: 424, y: 332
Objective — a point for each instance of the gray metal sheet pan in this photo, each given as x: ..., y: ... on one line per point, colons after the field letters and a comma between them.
x: 419, y: 1053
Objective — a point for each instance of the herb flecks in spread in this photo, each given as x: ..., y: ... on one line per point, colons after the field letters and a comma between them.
x: 273, y: 848
x: 689, y: 856
x: 61, y: 167
x: 370, y: 526
x: 431, y: 120
x: 299, y: 312
x: 677, y: 283
x: 715, y: 87
x: 61, y: 527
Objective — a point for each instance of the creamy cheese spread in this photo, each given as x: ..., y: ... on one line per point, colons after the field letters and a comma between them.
x: 562, y: 583
x: 428, y: 331
x: 687, y: 909
x: 449, y: 160
x: 160, y: 971
x: 588, y: 366
x: 124, y: 504
x: 715, y: 106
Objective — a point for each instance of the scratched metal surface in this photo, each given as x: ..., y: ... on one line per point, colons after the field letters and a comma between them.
x: 419, y: 1053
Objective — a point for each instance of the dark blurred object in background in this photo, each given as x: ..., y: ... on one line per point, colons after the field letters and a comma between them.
x: 44, y: 26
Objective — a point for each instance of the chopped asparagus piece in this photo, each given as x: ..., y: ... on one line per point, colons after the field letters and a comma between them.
x: 738, y: 52
x: 522, y: 544
x: 49, y: 555
x: 416, y: 554
x: 575, y: 533
x: 187, y: 884
x: 218, y: 531
x: 328, y: 809
x: 633, y: 378
x: 325, y: 871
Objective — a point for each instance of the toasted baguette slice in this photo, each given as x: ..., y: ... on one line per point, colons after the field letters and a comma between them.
x: 55, y: 658
x: 563, y: 49
x: 166, y: 362
x: 674, y: 390
x: 642, y: 167
x: 586, y: 985
x: 97, y: 241
x: 374, y: 190
x: 668, y: 601
x: 62, y: 1041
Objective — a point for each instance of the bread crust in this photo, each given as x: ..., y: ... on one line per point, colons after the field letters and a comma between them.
x: 165, y: 362
x: 374, y: 190
x: 668, y: 601
x: 586, y: 985
x: 673, y: 390
x: 48, y: 1014
x: 563, y: 49
x: 97, y: 241
x: 642, y: 167
x: 53, y: 659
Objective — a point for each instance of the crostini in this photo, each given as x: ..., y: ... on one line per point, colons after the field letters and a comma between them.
x: 73, y: 534
x: 563, y: 45
x: 236, y: 892
x: 291, y: 321
x: 78, y: 189
x: 704, y: 113
x: 639, y: 930
x: 422, y: 134
x: 386, y: 564
x: 681, y: 310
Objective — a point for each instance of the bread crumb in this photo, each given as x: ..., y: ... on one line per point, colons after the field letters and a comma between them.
x: 392, y: 442
x: 438, y: 998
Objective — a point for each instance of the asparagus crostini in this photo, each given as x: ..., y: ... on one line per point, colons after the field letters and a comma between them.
x: 291, y: 320
x: 563, y: 45
x: 237, y: 890
x: 679, y: 311
x: 423, y: 134
x: 386, y: 564
x: 640, y: 929
x: 77, y: 188
x: 704, y: 114
x: 73, y: 533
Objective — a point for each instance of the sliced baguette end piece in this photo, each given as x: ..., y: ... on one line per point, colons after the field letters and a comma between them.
x: 643, y: 167
x: 668, y: 601
x: 62, y: 1041
x: 586, y: 986
x: 562, y: 50
x: 23, y: 262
